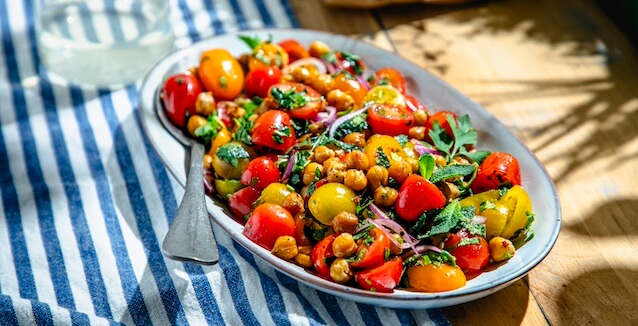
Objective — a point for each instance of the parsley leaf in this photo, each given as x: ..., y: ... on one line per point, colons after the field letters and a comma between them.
x: 280, y: 133
x: 209, y: 131
x: 290, y: 99
x: 463, y: 134
x: 330, y: 57
x: 382, y: 158
x: 356, y: 124
x: 231, y: 153
x: 243, y: 131
x: 450, y: 171
x: 353, y: 61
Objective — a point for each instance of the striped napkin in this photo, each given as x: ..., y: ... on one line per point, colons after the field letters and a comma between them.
x: 85, y: 204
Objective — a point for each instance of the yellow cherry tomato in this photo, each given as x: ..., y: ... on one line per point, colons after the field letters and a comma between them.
x: 223, y: 137
x: 390, y: 147
x: 518, y: 203
x: 477, y: 199
x: 385, y: 94
x: 495, y: 219
x: 221, y: 74
x: 331, y: 199
x: 274, y: 193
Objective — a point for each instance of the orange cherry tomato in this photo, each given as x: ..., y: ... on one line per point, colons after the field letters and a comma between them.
x: 498, y: 169
x: 221, y: 74
x: 294, y: 49
x: 267, y: 223
x: 372, y: 255
x: 347, y: 83
x: 392, y: 77
x: 388, y: 119
x: 320, y: 253
x: 268, y: 54
x: 382, y: 278
x: 435, y: 278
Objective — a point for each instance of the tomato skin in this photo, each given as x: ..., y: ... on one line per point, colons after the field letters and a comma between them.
x: 179, y: 95
x: 268, y: 54
x: 320, y: 252
x: 350, y: 86
x: 294, y: 49
x: 441, y: 117
x: 260, y: 79
x: 374, y: 254
x: 413, y: 104
x: 308, y: 111
x: 416, y: 196
x: 498, y: 169
x: 433, y: 278
x: 267, y: 223
x: 259, y: 173
x: 383, y: 278
x: 343, y: 64
x: 390, y: 120
x: 221, y: 74
x: 393, y: 78
x: 241, y: 203
x: 471, y: 258
x: 265, y: 127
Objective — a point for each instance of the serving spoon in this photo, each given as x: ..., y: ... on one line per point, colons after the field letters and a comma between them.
x: 190, y: 237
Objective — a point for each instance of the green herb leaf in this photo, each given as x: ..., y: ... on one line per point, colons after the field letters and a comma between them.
x: 381, y: 158
x: 280, y: 133
x: 209, y: 131
x: 244, y: 127
x: 290, y: 99
x: 251, y: 41
x: 402, y: 139
x: 426, y: 165
x: 463, y: 135
x: 364, y: 202
x: 330, y: 57
x: 451, y: 171
x: 358, y: 123
x: 323, y: 140
x: 478, y: 156
x: 301, y: 161
x: 446, y: 220
x: 354, y: 61
x: 430, y: 257
x: 231, y: 153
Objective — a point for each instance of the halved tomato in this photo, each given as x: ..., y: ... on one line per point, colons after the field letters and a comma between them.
x: 273, y: 129
x: 392, y: 77
x: 299, y: 100
x: 373, y: 254
x: 294, y: 49
x: 381, y: 278
x: 390, y: 120
x: 320, y: 253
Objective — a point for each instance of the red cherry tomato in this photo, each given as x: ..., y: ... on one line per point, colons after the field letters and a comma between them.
x: 260, y: 79
x: 471, y: 257
x: 416, y: 196
x: 498, y: 169
x: 222, y: 112
x: 392, y: 77
x: 259, y: 173
x: 382, y: 278
x: 273, y: 129
x: 349, y: 63
x: 294, y: 49
x: 267, y: 223
x: 179, y: 95
x: 390, y: 120
x: 413, y: 104
x: 241, y: 203
x: 441, y: 118
x: 372, y: 255
x: 320, y: 252
x: 313, y: 100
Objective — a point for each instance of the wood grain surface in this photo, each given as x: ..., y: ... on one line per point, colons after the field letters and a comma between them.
x: 565, y: 80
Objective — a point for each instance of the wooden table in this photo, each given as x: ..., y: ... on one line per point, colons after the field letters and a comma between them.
x: 565, y: 80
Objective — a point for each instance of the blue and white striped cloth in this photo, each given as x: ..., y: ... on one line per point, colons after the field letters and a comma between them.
x: 85, y: 204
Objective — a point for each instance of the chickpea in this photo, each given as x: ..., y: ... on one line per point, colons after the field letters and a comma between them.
x: 322, y: 84
x: 318, y: 48
x: 385, y: 196
x: 285, y: 247
x: 336, y: 176
x: 355, y: 138
x: 293, y: 203
x: 303, y: 260
x: 333, y: 163
x: 305, y: 74
x: 316, y: 128
x: 205, y: 103
x: 310, y: 172
x: 399, y: 171
x: 340, y: 271
x: 322, y: 153
x: 420, y: 117
x: 501, y: 249
x: 345, y: 222
x: 208, y: 162
x: 414, y: 163
x: 340, y: 99
x: 236, y: 111
x: 355, y: 180
x: 377, y: 176
x: 287, y: 78
x: 439, y: 160
x: 460, y: 160
x: 450, y: 190
x: 195, y: 122
x: 417, y: 132
x: 357, y: 160
x: 344, y: 246
x: 305, y: 250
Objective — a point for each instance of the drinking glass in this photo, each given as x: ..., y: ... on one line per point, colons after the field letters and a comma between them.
x: 102, y: 42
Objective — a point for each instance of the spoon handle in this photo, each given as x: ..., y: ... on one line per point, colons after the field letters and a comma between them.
x: 190, y: 237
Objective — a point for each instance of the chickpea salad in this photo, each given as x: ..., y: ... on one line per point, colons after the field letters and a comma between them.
x: 336, y: 168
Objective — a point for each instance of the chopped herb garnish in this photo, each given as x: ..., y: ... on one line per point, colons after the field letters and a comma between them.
x: 382, y: 158
x: 426, y: 165
x: 451, y: 171
x: 280, y: 133
x: 231, y: 153
x: 290, y: 99
x: 358, y: 123
x: 209, y: 131
x: 402, y: 139
x: 463, y: 134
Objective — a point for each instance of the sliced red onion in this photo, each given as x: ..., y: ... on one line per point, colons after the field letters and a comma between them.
x: 341, y: 120
x: 421, y: 149
x: 387, y: 234
x: 327, y: 117
x: 423, y: 248
x: 363, y: 82
x: 329, y: 66
x: 289, y: 167
x: 385, y: 221
x: 320, y: 64
x: 478, y: 219
x: 208, y: 183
